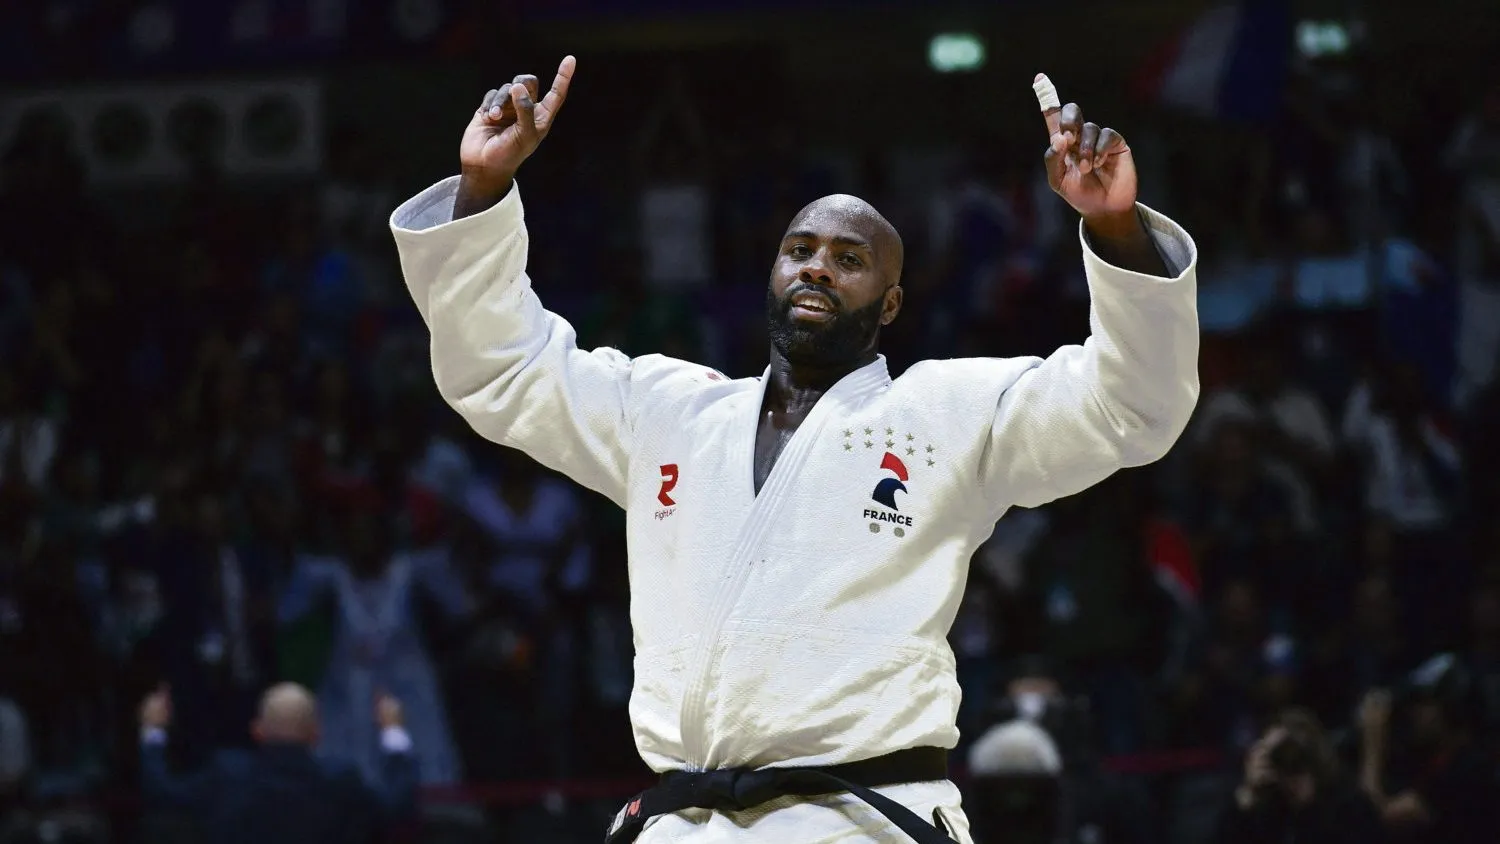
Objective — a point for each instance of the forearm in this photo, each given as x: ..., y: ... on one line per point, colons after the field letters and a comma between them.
x: 1371, y: 763
x: 1122, y: 241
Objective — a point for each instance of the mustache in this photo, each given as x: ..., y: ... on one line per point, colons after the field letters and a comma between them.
x: 785, y: 303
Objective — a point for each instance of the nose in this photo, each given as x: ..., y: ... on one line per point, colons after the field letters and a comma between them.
x: 815, y: 270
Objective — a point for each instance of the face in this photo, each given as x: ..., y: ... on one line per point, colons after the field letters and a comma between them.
x: 834, y: 284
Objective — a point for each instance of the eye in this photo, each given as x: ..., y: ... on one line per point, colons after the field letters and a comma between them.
x: 849, y: 259
x: 799, y: 250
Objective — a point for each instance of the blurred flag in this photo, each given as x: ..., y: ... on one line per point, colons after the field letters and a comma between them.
x: 1230, y: 63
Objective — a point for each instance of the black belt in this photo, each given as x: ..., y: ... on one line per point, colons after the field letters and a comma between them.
x: 736, y: 789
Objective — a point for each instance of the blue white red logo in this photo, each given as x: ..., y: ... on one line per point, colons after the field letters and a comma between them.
x: 885, y: 491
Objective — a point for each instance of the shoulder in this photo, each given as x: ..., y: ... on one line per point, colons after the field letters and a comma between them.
x: 971, y: 379
x: 233, y: 763
x: 658, y: 378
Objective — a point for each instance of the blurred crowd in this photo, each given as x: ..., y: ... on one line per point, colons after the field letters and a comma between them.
x: 223, y: 465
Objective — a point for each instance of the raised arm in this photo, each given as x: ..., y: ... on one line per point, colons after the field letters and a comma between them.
x: 1123, y: 397
x: 512, y: 369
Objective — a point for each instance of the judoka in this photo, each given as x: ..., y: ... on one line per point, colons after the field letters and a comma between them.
x: 798, y: 542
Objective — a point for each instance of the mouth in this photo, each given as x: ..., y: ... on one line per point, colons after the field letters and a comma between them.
x: 814, y: 306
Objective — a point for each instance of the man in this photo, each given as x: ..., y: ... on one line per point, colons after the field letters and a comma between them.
x: 280, y: 792
x: 799, y: 542
x: 1294, y: 790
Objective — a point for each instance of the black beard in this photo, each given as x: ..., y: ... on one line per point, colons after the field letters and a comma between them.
x: 840, y: 341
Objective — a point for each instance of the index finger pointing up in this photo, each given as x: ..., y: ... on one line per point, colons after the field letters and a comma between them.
x: 553, y: 101
x: 1046, y: 97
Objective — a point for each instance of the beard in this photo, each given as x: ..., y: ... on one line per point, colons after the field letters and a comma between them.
x: 842, y: 340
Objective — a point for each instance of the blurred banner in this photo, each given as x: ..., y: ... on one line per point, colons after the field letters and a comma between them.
x: 52, y: 39
x: 48, y: 40
x: 162, y: 132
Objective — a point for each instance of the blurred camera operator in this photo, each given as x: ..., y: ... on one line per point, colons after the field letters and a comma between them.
x: 1035, y: 776
x: 1295, y: 790
x: 1434, y: 782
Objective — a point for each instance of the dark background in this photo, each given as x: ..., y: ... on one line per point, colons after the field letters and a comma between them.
x: 205, y: 344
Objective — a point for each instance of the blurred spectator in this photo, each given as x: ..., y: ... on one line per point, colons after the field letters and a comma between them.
x: 1473, y: 156
x: 1431, y: 781
x: 279, y: 792
x: 378, y: 647
x: 1036, y: 775
x: 1294, y: 790
x: 1097, y: 604
x: 1241, y: 520
x: 218, y: 633
x: 1246, y: 668
x: 1413, y: 478
x: 1372, y: 650
x: 1482, y: 659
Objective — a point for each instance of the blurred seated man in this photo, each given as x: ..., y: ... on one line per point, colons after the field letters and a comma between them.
x: 1042, y: 754
x: 1295, y: 790
x: 1431, y: 781
x: 280, y: 792
x: 1016, y: 786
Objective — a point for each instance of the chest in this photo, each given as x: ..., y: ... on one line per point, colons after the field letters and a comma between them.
x: 865, y: 470
x: 772, y: 433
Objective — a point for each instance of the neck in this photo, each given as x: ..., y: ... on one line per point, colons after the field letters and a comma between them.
x: 798, y: 384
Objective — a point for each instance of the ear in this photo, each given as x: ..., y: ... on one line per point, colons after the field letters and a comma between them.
x: 256, y: 732
x: 892, y: 305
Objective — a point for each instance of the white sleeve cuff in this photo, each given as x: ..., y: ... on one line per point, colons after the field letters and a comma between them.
x: 395, y: 740
x: 153, y: 736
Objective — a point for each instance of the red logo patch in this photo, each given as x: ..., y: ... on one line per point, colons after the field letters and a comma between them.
x: 668, y: 481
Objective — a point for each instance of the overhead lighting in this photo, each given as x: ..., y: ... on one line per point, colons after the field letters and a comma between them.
x: 956, y: 52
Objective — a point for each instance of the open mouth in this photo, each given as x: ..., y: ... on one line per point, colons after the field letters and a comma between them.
x: 810, y: 305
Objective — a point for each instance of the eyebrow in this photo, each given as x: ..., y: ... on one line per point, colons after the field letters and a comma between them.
x: 844, y: 239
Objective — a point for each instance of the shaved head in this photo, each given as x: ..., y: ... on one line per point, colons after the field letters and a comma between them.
x: 288, y: 715
x: 886, y: 241
x: 835, y: 282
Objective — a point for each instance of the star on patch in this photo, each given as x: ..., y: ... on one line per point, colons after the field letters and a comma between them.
x: 890, y: 431
x: 869, y: 444
x: 929, y: 449
x: 890, y: 443
x: 910, y: 451
x: 929, y: 461
x: 869, y: 431
x: 909, y: 437
x: 848, y: 433
x: 848, y: 446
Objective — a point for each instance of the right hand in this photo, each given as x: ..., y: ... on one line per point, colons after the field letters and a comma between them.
x: 388, y: 712
x: 1258, y: 771
x: 156, y: 709
x: 507, y: 128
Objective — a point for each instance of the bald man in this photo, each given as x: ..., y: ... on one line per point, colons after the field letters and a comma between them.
x: 281, y: 792
x: 799, y: 541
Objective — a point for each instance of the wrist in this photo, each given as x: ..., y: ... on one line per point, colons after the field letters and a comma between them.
x: 481, y: 188
x: 1115, y: 226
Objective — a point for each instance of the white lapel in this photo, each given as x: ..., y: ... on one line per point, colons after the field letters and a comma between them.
x: 761, y: 515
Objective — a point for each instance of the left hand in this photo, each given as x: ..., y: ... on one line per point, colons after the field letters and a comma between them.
x: 1089, y: 166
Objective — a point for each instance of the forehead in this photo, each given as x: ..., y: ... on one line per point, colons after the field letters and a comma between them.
x: 831, y: 219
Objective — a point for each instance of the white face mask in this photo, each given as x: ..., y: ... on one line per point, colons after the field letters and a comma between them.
x: 1031, y: 705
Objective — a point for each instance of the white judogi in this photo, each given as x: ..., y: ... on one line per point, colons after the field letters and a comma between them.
x: 805, y: 625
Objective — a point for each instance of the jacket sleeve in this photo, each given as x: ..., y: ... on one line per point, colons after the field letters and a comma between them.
x: 1120, y: 400
x: 164, y: 789
x: 512, y: 369
x: 395, y: 796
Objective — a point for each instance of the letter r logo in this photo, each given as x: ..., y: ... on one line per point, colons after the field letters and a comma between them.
x: 668, y: 481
